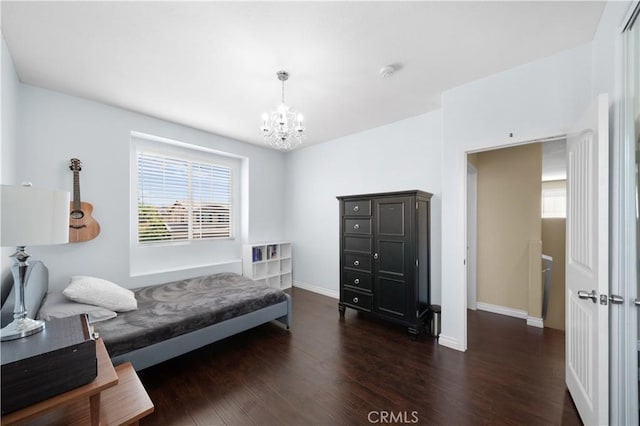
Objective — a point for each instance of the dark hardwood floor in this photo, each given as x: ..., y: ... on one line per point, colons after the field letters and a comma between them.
x: 357, y: 371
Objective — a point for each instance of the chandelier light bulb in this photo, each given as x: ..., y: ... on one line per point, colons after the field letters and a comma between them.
x: 265, y: 117
x: 300, y: 118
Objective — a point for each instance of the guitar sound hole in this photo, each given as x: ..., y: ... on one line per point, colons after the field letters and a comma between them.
x: 77, y: 214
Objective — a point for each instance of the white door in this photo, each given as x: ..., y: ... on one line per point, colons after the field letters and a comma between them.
x: 587, y: 269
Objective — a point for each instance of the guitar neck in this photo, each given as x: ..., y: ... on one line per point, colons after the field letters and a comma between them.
x: 76, y: 190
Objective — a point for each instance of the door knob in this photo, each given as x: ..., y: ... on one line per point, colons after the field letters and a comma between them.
x: 375, y: 255
x: 637, y: 302
x: 582, y: 294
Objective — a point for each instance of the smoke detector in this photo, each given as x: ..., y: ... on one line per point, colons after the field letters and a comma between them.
x: 387, y: 71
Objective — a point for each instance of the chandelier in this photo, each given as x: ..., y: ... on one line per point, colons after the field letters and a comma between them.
x: 282, y: 128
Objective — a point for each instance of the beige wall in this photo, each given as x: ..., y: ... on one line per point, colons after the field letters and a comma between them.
x: 509, y: 188
x: 553, y: 244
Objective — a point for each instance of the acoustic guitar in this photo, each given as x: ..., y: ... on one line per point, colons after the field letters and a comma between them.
x: 82, y: 226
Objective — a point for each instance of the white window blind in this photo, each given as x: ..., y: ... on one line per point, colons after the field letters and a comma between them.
x: 180, y: 199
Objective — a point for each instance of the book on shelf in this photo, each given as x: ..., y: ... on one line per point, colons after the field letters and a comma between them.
x: 256, y: 254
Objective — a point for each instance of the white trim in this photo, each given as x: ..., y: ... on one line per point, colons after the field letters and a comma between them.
x: 450, y: 342
x: 316, y: 289
x: 188, y: 146
x: 535, y: 322
x: 623, y: 365
x: 510, y: 312
x: 496, y: 309
x: 472, y: 236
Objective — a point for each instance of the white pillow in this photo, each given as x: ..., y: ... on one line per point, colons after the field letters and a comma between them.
x: 56, y: 305
x: 96, y: 291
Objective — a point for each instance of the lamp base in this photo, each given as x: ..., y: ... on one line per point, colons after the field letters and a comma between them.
x: 22, y: 327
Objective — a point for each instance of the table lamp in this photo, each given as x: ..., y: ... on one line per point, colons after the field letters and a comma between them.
x: 30, y: 217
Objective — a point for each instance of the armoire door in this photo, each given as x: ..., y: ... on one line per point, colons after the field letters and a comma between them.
x: 393, y: 263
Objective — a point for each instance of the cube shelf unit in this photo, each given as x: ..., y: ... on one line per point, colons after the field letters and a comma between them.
x: 268, y: 263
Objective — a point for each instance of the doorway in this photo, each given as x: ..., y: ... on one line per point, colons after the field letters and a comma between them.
x: 505, y: 207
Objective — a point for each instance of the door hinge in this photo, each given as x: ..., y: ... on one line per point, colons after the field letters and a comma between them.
x: 416, y: 205
x: 417, y: 263
x: 614, y: 299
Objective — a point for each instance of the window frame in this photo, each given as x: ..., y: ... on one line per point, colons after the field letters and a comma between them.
x: 174, y: 149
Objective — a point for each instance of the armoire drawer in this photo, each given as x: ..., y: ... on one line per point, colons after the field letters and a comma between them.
x: 358, y: 280
x: 357, y: 226
x: 357, y: 243
x: 357, y: 261
x: 356, y: 299
x: 357, y: 208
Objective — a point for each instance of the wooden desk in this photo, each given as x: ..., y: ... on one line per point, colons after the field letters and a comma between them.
x: 115, y: 397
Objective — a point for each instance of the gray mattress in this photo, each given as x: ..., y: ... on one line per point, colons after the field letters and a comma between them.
x: 176, y: 308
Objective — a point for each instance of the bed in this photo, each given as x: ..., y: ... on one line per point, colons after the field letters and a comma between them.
x: 177, y: 317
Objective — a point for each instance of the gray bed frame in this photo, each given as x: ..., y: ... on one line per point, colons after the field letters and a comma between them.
x: 167, y: 349
x: 37, y: 284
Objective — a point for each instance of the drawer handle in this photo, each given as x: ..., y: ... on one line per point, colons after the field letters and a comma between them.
x: 356, y: 226
x: 356, y: 281
x: 355, y: 300
x: 356, y: 263
x: 356, y: 208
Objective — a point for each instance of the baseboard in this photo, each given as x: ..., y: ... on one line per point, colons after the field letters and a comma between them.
x: 450, y: 342
x: 535, y: 322
x: 516, y: 313
x: 316, y: 289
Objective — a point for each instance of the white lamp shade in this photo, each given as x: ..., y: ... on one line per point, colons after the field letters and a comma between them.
x: 33, y: 216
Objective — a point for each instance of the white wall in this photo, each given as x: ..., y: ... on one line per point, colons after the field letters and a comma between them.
x: 54, y: 127
x: 604, y: 63
x: 9, y: 86
x: 532, y: 101
x: 399, y: 156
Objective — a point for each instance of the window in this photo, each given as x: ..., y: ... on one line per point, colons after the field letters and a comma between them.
x: 554, y: 199
x: 182, y: 199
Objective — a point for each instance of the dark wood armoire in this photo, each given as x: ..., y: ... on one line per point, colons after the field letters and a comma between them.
x: 385, y: 256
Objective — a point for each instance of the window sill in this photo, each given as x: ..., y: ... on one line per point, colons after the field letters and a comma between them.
x: 192, y: 268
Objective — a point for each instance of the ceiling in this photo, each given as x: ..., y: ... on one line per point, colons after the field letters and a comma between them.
x: 212, y: 65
